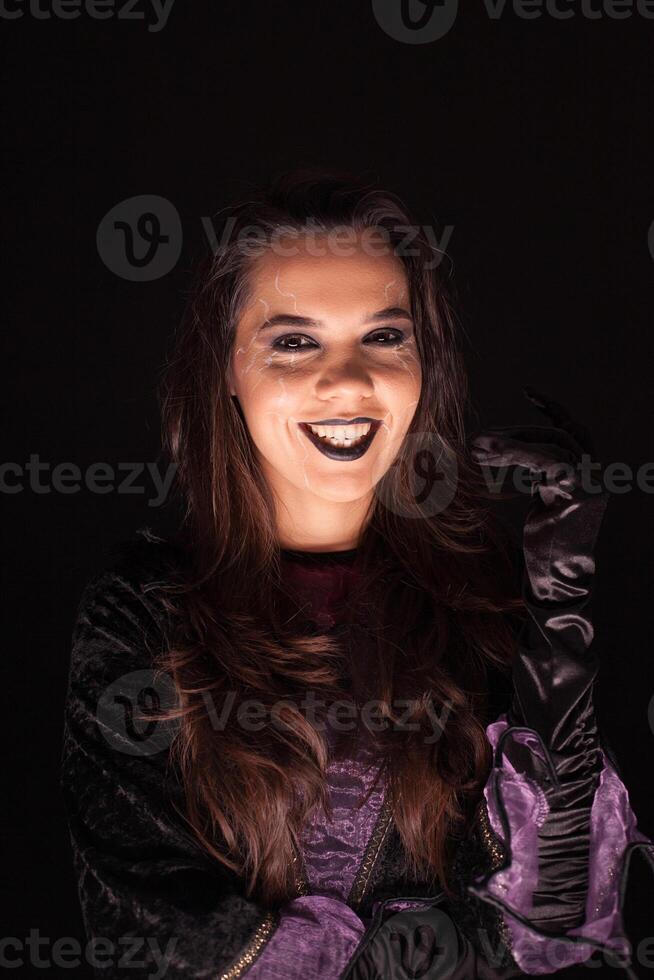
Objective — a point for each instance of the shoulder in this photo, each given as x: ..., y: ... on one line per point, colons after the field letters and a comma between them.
x: 136, y: 566
x: 123, y: 611
x: 142, y: 558
x: 115, y: 676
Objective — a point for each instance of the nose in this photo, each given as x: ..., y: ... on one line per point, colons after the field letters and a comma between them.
x: 345, y: 379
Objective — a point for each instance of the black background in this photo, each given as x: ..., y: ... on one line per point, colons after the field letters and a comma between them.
x: 532, y: 138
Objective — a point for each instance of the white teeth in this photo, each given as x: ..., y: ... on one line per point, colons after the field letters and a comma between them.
x: 341, y: 435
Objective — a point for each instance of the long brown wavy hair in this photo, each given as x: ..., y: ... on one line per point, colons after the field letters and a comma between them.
x: 430, y: 613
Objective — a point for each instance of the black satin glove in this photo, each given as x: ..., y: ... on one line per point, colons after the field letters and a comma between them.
x: 555, y: 667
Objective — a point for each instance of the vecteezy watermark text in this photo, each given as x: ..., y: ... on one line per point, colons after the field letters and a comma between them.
x: 341, y: 715
x: 592, y: 477
x: 341, y: 240
x: 425, y: 21
x: 94, y: 9
x: 68, y: 478
x: 144, y: 954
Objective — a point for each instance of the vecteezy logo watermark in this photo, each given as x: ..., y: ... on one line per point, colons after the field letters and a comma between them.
x: 95, y: 9
x: 650, y: 239
x: 424, y: 21
x: 127, y: 953
x: 127, y: 712
x: 140, y: 239
x: 431, y: 473
x: 68, y: 478
x: 416, y: 943
x: 415, y: 21
x: 130, y: 710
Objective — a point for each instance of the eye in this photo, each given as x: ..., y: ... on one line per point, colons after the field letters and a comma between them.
x: 397, y: 337
x: 279, y: 345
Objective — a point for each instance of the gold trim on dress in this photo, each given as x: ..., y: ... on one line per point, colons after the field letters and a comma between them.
x: 266, y: 927
x: 260, y: 938
x: 301, y: 880
x: 372, y: 852
x: 497, y: 852
x: 491, y: 841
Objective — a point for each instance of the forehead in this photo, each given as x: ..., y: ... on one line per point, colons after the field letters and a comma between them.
x: 313, y: 279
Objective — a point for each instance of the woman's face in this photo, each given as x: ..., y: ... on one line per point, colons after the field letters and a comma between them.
x: 326, y: 337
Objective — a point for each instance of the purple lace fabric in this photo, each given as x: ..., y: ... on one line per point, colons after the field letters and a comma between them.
x: 517, y: 808
x: 333, y: 848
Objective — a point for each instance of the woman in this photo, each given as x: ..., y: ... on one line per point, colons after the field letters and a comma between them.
x: 283, y: 752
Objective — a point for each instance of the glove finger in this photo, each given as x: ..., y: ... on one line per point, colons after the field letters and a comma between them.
x: 557, y: 442
x: 534, y: 448
x: 561, y: 418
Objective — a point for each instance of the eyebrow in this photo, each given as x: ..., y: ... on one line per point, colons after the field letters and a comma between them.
x: 290, y: 319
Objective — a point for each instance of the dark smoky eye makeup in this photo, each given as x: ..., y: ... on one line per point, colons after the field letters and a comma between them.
x: 397, y: 336
x: 295, y: 346
x: 379, y: 337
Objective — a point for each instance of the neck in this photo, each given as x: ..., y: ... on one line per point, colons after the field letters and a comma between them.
x: 306, y: 522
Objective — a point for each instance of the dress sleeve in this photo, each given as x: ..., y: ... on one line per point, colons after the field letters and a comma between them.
x: 150, y: 896
x: 316, y: 937
x: 561, y: 886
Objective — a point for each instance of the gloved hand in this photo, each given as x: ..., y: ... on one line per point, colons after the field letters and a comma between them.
x: 425, y: 944
x: 554, y: 669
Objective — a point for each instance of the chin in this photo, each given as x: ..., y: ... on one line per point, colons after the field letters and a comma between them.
x: 341, y: 488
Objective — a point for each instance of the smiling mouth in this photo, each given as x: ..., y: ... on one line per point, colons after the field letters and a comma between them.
x: 342, y: 442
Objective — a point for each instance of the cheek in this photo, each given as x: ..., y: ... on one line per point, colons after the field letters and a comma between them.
x: 270, y: 392
x: 401, y: 382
